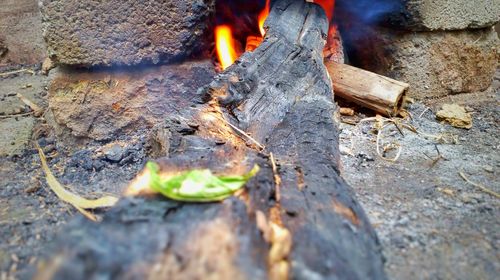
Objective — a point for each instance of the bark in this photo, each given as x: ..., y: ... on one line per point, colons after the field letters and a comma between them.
x: 281, y: 95
x: 379, y: 93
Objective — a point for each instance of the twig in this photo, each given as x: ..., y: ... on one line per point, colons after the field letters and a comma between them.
x: 15, y: 115
x: 242, y: 132
x: 16, y: 71
x: 481, y: 187
x: 277, y: 178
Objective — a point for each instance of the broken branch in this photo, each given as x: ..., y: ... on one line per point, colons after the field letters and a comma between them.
x: 379, y: 93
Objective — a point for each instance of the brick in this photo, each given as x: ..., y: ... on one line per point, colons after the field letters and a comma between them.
x: 110, y: 103
x: 447, y: 15
x: 435, y: 64
x: 21, y: 41
x: 124, y: 32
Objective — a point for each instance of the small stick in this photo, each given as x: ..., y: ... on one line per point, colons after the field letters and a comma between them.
x: 16, y: 115
x: 242, y: 132
x: 481, y: 187
x: 435, y: 160
x: 16, y: 71
x: 277, y: 179
x: 346, y: 121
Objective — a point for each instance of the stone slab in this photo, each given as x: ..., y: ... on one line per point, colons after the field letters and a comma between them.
x: 124, y: 32
x: 106, y: 104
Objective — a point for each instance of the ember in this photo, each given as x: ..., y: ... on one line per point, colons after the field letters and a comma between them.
x: 226, y: 49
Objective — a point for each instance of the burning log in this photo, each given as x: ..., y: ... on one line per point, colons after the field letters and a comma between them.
x: 297, y: 218
x: 379, y: 93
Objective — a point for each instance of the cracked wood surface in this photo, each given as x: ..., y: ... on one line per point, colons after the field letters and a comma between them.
x: 281, y: 96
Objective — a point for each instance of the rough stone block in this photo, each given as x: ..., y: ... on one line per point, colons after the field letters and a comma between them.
x: 21, y: 41
x: 106, y: 104
x: 447, y: 14
x: 15, y: 136
x: 124, y: 32
x: 433, y: 63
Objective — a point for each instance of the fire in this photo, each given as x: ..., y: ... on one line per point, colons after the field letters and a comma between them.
x: 328, y: 6
x: 227, y: 51
x: 224, y: 44
x: 262, y: 17
x: 224, y: 41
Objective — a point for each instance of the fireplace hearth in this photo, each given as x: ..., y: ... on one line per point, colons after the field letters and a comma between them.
x: 335, y: 101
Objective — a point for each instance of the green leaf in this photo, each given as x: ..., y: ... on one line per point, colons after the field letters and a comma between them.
x: 197, y: 185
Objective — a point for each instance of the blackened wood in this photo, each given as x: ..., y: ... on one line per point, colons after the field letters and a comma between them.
x: 281, y: 95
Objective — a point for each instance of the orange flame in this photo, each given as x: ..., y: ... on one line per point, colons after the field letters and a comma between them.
x: 328, y: 6
x: 224, y: 43
x: 262, y: 17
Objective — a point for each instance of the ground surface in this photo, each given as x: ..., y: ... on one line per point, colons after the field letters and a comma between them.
x: 432, y: 223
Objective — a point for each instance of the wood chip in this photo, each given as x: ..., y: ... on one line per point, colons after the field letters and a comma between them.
x: 455, y: 115
x: 346, y: 111
x: 277, y: 178
x: 37, y: 111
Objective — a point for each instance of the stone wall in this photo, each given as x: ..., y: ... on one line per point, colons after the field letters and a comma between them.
x: 21, y: 41
x: 439, y: 47
x: 125, y: 32
x: 421, y: 15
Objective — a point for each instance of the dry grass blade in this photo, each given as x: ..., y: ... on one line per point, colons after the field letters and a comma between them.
x: 379, y: 136
x: 435, y: 160
x: 16, y: 72
x: 16, y: 115
x: 75, y: 200
x: 479, y: 186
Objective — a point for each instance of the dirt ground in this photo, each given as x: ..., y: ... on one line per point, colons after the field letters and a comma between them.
x: 432, y: 223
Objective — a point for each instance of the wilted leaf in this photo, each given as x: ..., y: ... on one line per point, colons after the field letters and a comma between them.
x: 197, y: 185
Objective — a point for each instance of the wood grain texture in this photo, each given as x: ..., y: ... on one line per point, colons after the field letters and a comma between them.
x: 281, y: 95
x: 379, y: 93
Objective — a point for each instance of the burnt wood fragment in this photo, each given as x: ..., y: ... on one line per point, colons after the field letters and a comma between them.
x: 281, y: 96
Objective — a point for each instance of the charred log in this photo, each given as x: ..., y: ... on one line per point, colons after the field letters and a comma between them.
x: 275, y: 102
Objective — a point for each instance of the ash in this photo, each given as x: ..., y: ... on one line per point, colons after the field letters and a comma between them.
x: 431, y: 222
